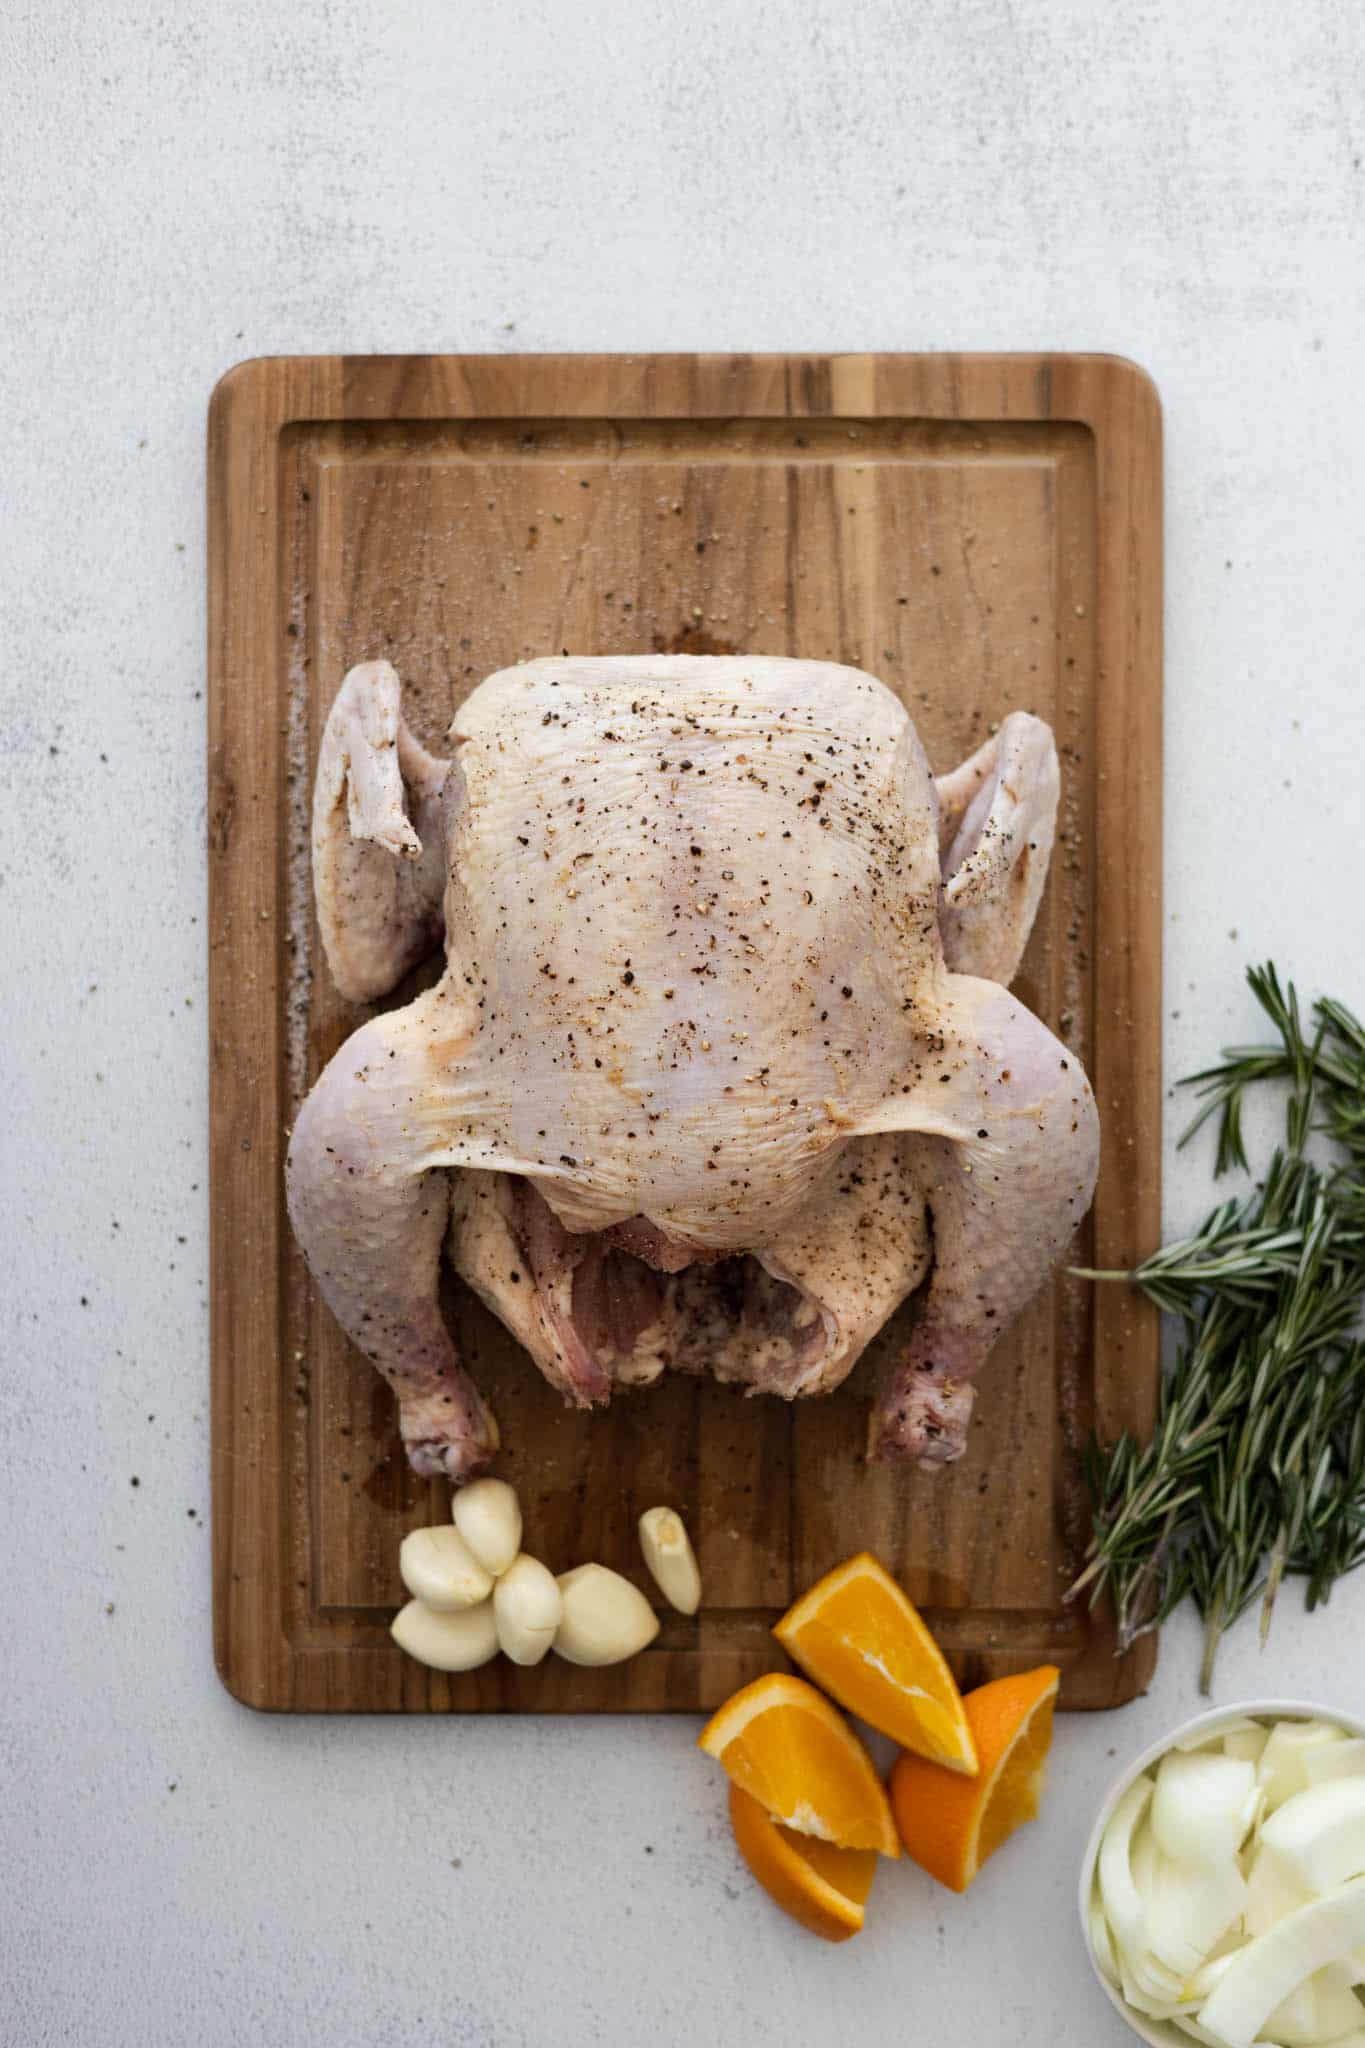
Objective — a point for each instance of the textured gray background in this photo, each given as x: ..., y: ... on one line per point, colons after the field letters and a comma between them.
x: 184, y: 185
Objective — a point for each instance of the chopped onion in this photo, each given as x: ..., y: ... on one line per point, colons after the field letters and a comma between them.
x: 1281, y: 1770
x: 1350, y: 1970
x: 1271, y: 1892
x: 1142, y: 1860
x: 1192, y: 2027
x: 1268, y: 1969
x: 1157, y: 1986
x: 1209, y: 1973
x: 1319, y: 2011
x: 1215, y: 1738
x: 1190, y: 1907
x: 1319, y: 1835
x: 1335, y: 1760
x: 1203, y: 1805
x: 1122, y: 1903
x: 1229, y: 1890
x: 1155, y: 2005
x: 1101, y: 1945
x: 1162, y: 1986
x: 1246, y: 1742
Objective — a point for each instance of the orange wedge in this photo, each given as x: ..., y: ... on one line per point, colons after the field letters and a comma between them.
x: 951, y: 1824
x: 859, y: 1637
x: 783, y: 1743
x: 823, y: 1887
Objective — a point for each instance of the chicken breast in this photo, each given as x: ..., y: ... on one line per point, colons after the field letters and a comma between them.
x: 721, y: 1064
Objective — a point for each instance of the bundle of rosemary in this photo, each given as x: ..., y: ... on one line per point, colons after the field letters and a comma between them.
x: 1256, y: 1468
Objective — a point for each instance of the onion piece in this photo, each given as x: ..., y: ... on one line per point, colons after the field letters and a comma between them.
x: 1282, y: 1770
x: 1268, y: 1969
x: 1247, y: 1743
x: 1215, y: 1969
x: 1162, y: 1987
x: 1215, y: 1738
x: 1271, y: 1892
x: 1142, y: 1859
x: 1153, y: 2005
x: 1122, y: 1902
x: 1203, y: 1805
x: 1319, y: 1835
x: 1190, y: 1907
x: 1335, y: 1760
x: 1101, y: 1946
x: 1255, y: 1812
x: 1350, y: 1971
x: 1156, y: 1986
x: 1319, y: 2011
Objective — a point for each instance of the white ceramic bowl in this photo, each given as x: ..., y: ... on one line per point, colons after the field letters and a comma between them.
x: 1160, y: 2033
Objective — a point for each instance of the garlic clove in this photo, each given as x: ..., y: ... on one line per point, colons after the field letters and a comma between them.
x: 439, y: 1568
x: 487, y: 1514
x: 447, y: 1642
x: 527, y: 1606
x: 605, y: 1618
x: 671, y: 1559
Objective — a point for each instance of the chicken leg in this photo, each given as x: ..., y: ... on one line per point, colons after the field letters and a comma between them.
x: 369, y: 1199
x: 1007, y: 1166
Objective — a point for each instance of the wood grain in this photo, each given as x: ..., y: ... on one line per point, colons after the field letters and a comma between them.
x: 984, y: 533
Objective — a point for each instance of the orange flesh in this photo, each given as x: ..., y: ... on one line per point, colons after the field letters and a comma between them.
x: 822, y: 1887
x: 782, y: 1742
x: 860, y: 1637
x: 951, y: 1825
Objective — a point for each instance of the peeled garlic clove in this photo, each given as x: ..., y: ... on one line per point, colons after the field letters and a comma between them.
x: 487, y: 1514
x: 605, y: 1618
x: 447, y: 1642
x: 439, y: 1568
x: 671, y: 1559
x: 527, y: 1605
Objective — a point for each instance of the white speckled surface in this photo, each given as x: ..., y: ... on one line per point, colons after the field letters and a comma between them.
x: 186, y: 184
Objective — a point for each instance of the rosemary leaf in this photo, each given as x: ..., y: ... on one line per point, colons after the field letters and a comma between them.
x: 1256, y: 1467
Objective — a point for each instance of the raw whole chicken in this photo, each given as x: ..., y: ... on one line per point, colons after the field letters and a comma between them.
x: 722, y: 1064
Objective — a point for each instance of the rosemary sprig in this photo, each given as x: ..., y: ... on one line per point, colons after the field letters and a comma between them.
x: 1256, y: 1468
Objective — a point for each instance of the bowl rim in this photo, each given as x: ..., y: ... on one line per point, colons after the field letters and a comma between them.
x: 1157, y: 2033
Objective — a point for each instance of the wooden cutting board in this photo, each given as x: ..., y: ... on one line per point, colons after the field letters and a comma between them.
x: 982, y: 532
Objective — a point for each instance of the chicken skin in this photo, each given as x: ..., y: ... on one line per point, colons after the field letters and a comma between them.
x: 722, y: 1065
